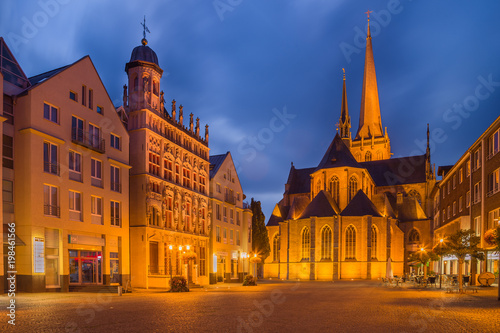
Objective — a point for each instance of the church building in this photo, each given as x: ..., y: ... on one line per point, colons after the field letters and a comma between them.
x: 359, y: 212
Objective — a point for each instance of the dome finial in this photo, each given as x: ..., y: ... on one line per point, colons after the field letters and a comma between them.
x: 144, y: 41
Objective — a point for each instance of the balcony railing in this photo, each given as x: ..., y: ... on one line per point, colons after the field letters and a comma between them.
x: 116, y: 187
x: 230, y: 199
x: 94, y: 142
x: 495, y: 189
x: 51, y: 210
x: 52, y: 168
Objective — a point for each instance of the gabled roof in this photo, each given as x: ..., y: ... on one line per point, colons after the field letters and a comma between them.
x: 10, y: 68
x: 274, y: 221
x: 410, y: 210
x: 34, y: 80
x: 299, y: 180
x: 322, y: 205
x: 215, y: 163
x: 338, y: 155
x: 360, y: 205
x: 397, y: 171
x: 298, y: 206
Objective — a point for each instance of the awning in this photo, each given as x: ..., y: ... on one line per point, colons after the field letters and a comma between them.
x: 6, y: 232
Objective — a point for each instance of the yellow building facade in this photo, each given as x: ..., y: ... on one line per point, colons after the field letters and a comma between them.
x: 70, y: 190
x: 231, y: 232
x: 169, y: 212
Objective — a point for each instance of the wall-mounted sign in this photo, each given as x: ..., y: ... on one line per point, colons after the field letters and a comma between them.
x: 39, y: 255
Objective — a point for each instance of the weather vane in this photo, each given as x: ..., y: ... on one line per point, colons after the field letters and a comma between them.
x: 145, y: 28
x: 368, y: 13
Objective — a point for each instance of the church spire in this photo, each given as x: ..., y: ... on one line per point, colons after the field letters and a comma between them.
x: 345, y: 120
x: 370, y: 123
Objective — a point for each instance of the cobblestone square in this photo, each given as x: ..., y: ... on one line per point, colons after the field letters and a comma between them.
x: 272, y: 306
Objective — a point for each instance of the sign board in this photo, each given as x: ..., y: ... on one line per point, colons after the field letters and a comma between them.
x: 39, y: 255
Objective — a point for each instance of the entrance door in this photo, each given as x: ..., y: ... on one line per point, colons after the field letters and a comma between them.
x: 88, y: 271
x: 85, y: 267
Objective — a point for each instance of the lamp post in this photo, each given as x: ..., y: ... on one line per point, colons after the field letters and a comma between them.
x: 440, y: 264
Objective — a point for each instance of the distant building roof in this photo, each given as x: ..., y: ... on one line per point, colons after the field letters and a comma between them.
x: 444, y: 169
x: 299, y: 180
x: 360, y: 205
x: 397, y: 171
x: 338, y: 155
x: 215, y: 163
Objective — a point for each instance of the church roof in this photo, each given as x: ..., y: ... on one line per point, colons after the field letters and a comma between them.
x: 215, y: 163
x: 299, y: 180
x: 144, y: 53
x: 274, y: 221
x: 397, y: 171
x: 322, y: 205
x: 298, y: 206
x: 360, y: 205
x: 337, y: 155
x: 410, y: 210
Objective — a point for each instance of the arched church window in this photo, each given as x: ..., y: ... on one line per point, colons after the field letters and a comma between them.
x: 335, y: 188
x: 136, y: 84
x: 350, y: 242
x: 276, y: 247
x: 145, y: 83
x: 416, y: 195
x: 374, y: 242
x: 414, y: 236
x: 353, y: 187
x: 155, y: 87
x: 368, y: 156
x: 306, y: 244
x: 326, y: 243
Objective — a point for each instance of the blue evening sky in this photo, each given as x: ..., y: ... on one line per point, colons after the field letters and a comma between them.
x: 267, y: 75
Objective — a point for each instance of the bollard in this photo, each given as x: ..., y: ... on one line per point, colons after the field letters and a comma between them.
x: 119, y: 290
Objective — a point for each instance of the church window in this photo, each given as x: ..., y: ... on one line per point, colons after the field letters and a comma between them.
x: 155, y: 87
x: 350, y: 242
x: 136, y: 84
x: 318, y: 186
x: 374, y: 242
x: 326, y: 243
x: 306, y: 244
x: 368, y: 156
x: 414, y: 236
x: 416, y: 195
x: 353, y: 187
x: 335, y: 189
x: 276, y: 248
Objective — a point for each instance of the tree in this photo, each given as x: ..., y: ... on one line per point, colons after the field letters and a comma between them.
x: 492, y: 237
x: 461, y: 243
x: 423, y: 257
x: 260, y: 237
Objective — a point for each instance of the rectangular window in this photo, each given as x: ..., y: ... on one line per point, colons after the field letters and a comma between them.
x: 460, y: 205
x: 75, y: 206
x: 177, y: 174
x: 186, y: 178
x: 96, y: 209
x: 493, y: 218
x: 217, y: 211
x: 477, y: 192
x: 84, y: 90
x: 224, y: 213
x: 167, y: 170
x: 477, y: 225
x: 444, y: 190
x: 115, y: 213
x: 224, y: 235
x: 238, y: 237
x: 444, y: 215
x: 217, y: 187
x: 96, y: 173
x: 217, y: 234
x: 454, y: 181
x: 8, y: 152
x: 100, y: 109
x: 8, y: 109
x: 493, y: 182
x: 202, y: 184
x: 231, y: 212
x: 51, y: 200
x: 75, y: 166
x: 448, y: 185
x: 95, y: 136
x: 467, y: 169
x: 493, y: 143
x: 115, y: 179
x: 50, y: 112
x: 454, y: 208
x: 115, y: 141
x: 91, y: 99
x: 154, y: 163
x: 8, y: 197
x: 448, y: 212
x: 238, y: 222
x: 77, y: 133
x: 231, y: 237
x: 467, y: 199
x: 50, y: 160
x: 202, y: 261
x: 461, y: 175
x: 476, y: 160
x: 73, y: 96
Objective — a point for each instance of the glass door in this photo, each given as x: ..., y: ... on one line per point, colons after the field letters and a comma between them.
x: 85, y: 267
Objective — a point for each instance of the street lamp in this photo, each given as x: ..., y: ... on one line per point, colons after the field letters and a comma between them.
x: 440, y: 264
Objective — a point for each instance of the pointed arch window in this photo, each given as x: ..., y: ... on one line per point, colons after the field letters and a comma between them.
x: 416, y: 195
x: 414, y: 236
x: 306, y: 244
x: 276, y: 247
x: 335, y: 188
x: 353, y: 187
x: 326, y: 243
x: 368, y: 156
x: 136, y: 83
x: 374, y: 242
x: 350, y: 242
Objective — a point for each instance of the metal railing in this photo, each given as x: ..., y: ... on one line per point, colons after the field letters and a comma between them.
x: 52, y: 168
x: 94, y: 142
x: 51, y: 210
x: 116, y: 187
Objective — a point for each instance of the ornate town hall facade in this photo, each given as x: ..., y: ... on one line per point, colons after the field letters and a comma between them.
x: 169, y: 217
x: 358, y: 211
